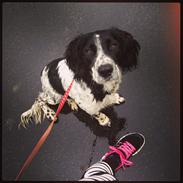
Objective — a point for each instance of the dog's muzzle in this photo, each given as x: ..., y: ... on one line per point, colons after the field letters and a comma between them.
x: 105, y: 70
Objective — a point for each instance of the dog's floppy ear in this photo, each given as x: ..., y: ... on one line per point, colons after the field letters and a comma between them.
x: 129, y: 49
x: 73, y: 53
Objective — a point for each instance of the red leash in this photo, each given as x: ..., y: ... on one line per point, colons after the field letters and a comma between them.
x: 45, y: 135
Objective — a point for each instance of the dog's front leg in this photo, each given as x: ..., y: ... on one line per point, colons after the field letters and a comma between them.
x: 94, y: 107
x: 115, y: 98
x: 109, y: 100
x: 102, y: 119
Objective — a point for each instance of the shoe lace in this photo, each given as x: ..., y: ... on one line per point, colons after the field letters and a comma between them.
x: 124, y: 150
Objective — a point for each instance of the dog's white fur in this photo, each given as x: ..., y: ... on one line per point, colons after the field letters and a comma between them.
x: 80, y: 93
x: 111, y: 85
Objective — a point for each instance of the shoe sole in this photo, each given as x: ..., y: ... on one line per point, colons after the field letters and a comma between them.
x: 131, y: 134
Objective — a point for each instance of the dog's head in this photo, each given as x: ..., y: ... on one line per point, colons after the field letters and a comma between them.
x: 103, y: 54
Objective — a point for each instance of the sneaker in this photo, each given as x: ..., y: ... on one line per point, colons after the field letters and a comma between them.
x: 127, y: 146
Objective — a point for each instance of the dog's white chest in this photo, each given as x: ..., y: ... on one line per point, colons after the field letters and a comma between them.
x: 79, y: 91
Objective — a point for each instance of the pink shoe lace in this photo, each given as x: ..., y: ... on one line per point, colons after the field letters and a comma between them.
x: 124, y: 151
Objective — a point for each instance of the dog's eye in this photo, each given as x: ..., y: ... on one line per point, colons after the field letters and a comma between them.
x: 113, y: 46
x: 88, y: 51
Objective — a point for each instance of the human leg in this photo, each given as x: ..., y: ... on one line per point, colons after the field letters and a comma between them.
x: 116, y: 158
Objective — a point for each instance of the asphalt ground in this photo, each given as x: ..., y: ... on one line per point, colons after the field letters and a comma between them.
x: 36, y: 33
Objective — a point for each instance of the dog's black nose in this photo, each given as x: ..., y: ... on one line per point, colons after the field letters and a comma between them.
x: 105, y: 70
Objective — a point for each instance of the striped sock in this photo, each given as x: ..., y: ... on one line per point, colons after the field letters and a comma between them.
x: 100, y: 171
x: 113, y: 161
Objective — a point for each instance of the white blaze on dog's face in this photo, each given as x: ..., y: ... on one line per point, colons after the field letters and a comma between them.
x: 102, y: 56
x: 105, y: 71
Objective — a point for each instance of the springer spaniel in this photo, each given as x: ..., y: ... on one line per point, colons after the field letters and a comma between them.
x: 96, y: 61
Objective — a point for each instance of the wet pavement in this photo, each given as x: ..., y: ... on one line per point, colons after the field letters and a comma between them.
x: 36, y: 33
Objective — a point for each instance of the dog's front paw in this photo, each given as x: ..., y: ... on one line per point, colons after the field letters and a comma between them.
x: 102, y: 119
x: 117, y: 98
x: 72, y: 104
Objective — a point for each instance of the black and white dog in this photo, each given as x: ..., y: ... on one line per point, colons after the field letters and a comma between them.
x: 96, y: 61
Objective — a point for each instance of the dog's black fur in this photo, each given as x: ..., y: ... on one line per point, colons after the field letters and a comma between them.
x: 80, y: 56
x: 125, y: 57
x: 80, y: 62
